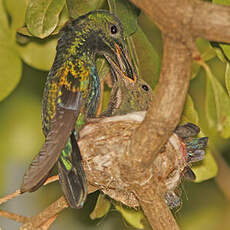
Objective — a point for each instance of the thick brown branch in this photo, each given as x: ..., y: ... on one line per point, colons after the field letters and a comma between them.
x: 186, y: 20
x: 211, y: 21
x: 164, y: 114
x: 155, y: 209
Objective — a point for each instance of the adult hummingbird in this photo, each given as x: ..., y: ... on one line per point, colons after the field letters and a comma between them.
x: 71, y: 94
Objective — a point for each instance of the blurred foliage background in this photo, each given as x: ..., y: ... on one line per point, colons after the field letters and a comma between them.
x: 28, y: 37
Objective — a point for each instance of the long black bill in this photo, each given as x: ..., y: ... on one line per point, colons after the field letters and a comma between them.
x: 122, y: 63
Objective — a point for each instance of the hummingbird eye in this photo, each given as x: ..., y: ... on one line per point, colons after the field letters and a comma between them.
x: 145, y: 87
x: 113, y: 29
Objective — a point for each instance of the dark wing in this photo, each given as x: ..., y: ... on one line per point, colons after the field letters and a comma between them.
x: 61, y: 127
x: 73, y: 180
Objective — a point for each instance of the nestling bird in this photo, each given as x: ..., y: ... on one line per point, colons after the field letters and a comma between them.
x: 71, y: 94
x: 131, y: 95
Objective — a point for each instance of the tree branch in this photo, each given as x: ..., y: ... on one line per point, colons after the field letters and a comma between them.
x: 164, y: 114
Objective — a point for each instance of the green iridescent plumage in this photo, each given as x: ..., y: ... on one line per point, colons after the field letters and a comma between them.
x: 73, y: 88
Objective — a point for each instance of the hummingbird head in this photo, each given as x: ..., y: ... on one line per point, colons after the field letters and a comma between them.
x: 100, y: 33
x: 129, y: 95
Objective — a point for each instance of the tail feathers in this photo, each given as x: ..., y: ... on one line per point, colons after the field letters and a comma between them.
x: 72, y: 176
x: 187, y: 130
x: 197, y: 144
x: 196, y: 149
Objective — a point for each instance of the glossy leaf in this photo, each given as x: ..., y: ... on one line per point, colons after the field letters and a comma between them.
x: 133, y: 217
x: 42, y: 16
x: 101, y: 208
x: 222, y: 2
x: 222, y: 102
x: 77, y: 8
x: 148, y: 59
x: 206, y: 50
x: 14, y: 7
x: 194, y: 69
x: 39, y: 55
x: 220, y: 54
x: 189, y: 113
x: 10, y: 71
x: 227, y: 77
x: 226, y: 50
x: 102, y: 67
x: 128, y: 15
x: 152, y: 33
x: 4, y: 28
x: 210, y: 106
x: 63, y: 18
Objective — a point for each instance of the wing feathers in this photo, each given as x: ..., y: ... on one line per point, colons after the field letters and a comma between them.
x: 61, y: 127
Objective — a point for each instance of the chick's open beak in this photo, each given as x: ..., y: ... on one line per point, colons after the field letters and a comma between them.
x: 122, y: 67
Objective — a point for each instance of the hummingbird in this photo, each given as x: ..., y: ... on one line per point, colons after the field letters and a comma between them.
x: 134, y: 94
x: 71, y: 95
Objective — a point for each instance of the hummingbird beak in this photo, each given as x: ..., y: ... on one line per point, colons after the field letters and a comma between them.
x: 122, y: 68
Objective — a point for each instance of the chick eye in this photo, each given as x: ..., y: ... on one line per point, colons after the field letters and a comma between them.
x: 145, y: 87
x: 113, y: 29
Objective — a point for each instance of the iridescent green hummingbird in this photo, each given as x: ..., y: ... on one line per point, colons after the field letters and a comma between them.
x: 71, y: 94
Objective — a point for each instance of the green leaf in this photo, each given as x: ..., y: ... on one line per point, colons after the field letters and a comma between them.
x: 101, y: 208
x: 152, y: 32
x: 77, y: 8
x: 16, y: 10
x: 189, y: 113
x: 194, y: 69
x: 210, y: 106
x: 102, y: 67
x: 220, y: 54
x: 206, y: 50
x: 133, y: 217
x: 148, y: 59
x: 39, y: 55
x: 222, y: 2
x: 106, y: 99
x: 3, y: 16
x: 128, y: 15
x: 222, y: 102
x: 4, y: 27
x: 42, y: 16
x: 205, y: 169
x: 227, y: 77
x: 226, y: 50
x: 10, y: 71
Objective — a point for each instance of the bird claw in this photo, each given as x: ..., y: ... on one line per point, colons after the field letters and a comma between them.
x: 172, y: 200
x: 188, y: 174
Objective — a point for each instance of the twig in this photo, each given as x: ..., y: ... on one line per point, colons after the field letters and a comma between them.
x: 10, y: 196
x: 47, y: 215
x: 13, y: 216
x: 51, y: 179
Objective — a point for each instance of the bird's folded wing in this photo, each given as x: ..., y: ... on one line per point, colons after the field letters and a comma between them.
x: 60, y: 129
